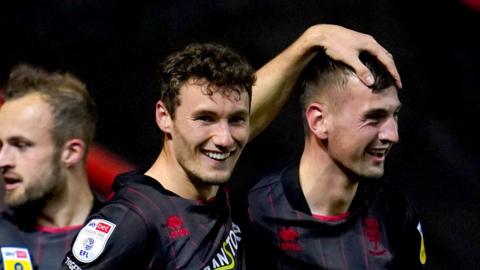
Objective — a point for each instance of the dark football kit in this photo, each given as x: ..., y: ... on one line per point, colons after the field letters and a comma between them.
x: 379, y: 231
x: 25, y: 247
x: 145, y: 226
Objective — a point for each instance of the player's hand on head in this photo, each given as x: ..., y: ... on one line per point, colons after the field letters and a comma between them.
x: 345, y: 45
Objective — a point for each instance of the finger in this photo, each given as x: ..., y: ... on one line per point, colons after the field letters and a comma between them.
x: 363, y: 72
x: 386, y: 59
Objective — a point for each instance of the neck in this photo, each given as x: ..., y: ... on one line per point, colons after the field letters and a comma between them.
x: 171, y: 175
x: 71, y: 205
x: 326, y: 187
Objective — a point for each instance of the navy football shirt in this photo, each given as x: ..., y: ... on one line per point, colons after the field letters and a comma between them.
x: 378, y: 232
x: 145, y: 226
x: 34, y: 247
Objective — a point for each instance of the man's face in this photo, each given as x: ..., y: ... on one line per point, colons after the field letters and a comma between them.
x: 364, y: 128
x: 209, y: 132
x: 28, y: 164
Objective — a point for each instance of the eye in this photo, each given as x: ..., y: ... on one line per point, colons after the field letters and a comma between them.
x: 237, y: 120
x: 22, y: 145
x: 204, y: 118
x: 375, y: 117
x: 395, y: 115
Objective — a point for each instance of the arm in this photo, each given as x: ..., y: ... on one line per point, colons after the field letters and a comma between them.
x: 114, y: 238
x: 275, y: 80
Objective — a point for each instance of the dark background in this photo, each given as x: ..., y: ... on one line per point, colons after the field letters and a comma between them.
x: 114, y: 46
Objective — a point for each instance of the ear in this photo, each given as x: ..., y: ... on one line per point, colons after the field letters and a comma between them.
x: 73, y: 152
x: 163, y: 118
x: 316, y: 118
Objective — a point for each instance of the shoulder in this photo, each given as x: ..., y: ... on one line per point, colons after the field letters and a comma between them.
x: 267, y: 182
x: 140, y: 194
x: 14, y: 243
x: 6, y: 218
x: 275, y: 186
x: 114, y: 230
x: 9, y: 231
x: 394, y: 205
x: 395, y: 198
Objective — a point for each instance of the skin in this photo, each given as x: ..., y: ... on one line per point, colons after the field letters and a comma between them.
x: 202, y: 142
x: 48, y: 180
x: 28, y: 161
x: 363, y: 131
x: 345, y: 143
x: 277, y: 78
x: 274, y: 84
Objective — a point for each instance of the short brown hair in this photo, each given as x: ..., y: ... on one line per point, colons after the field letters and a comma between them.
x: 73, y: 109
x: 218, y: 65
x: 323, y: 72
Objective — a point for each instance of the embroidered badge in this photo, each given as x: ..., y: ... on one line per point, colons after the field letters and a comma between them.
x: 91, y: 240
x: 372, y: 233
x: 175, y: 227
x: 15, y: 258
x: 289, y: 239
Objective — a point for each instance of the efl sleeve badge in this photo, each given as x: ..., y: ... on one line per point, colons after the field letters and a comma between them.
x: 91, y: 240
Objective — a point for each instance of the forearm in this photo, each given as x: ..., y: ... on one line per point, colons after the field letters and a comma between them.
x: 275, y: 82
x: 276, y: 79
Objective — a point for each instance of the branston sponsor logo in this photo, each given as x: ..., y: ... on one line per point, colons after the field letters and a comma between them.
x: 225, y: 258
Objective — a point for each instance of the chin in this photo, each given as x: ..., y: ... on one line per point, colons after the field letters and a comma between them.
x: 212, y: 178
x: 369, y: 173
x: 375, y: 174
x: 216, y: 180
x: 14, y: 202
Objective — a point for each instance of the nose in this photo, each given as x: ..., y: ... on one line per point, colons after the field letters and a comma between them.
x: 222, y: 137
x: 389, y: 131
x: 6, y: 158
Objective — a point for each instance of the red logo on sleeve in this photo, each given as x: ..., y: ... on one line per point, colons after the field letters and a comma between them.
x: 174, y: 222
x: 175, y: 226
x: 105, y: 228
x: 289, y: 239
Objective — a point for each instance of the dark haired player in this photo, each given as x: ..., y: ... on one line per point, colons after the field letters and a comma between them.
x: 329, y: 211
x: 176, y: 215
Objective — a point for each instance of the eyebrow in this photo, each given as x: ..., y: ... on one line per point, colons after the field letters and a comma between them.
x: 396, y: 109
x: 17, y: 138
x: 207, y: 111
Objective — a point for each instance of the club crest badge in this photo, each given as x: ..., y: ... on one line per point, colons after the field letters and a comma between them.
x: 91, y: 240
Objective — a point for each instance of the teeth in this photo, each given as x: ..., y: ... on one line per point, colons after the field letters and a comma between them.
x: 378, y: 153
x: 218, y: 156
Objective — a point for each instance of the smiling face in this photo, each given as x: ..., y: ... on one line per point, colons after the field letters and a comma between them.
x: 362, y: 131
x: 28, y: 162
x: 208, y: 132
